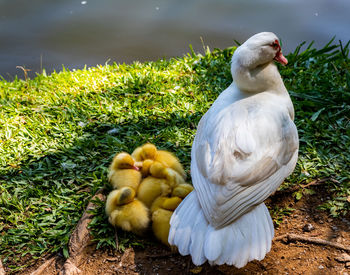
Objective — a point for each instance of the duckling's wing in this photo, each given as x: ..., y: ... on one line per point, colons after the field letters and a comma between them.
x: 240, y: 155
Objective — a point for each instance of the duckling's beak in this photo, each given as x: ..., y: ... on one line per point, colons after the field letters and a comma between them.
x: 138, y: 165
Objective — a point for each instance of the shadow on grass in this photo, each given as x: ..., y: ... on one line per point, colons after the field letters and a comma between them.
x: 46, y: 196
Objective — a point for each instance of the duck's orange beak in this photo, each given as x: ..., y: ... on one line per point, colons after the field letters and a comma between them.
x: 280, y: 58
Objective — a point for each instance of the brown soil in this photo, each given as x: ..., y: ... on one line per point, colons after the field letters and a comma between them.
x: 284, y: 258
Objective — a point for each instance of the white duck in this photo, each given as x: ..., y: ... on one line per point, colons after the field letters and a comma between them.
x: 245, y: 146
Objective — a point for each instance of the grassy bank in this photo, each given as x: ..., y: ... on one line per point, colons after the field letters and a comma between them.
x: 58, y: 134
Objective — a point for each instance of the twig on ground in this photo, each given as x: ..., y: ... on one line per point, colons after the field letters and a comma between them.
x: 42, y: 269
x: 80, y: 238
x: 312, y: 240
x: 312, y: 183
x: 316, y: 182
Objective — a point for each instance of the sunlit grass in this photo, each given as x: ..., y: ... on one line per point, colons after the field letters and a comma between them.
x: 58, y: 134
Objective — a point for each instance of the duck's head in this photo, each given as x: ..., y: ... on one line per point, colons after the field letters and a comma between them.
x: 259, y: 49
x: 124, y: 161
x: 253, y: 57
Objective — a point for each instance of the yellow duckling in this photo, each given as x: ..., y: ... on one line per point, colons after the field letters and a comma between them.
x: 146, y: 151
x: 182, y: 190
x: 171, y: 161
x: 120, y: 196
x: 160, y: 224
x: 123, y: 172
x: 150, y: 188
x: 133, y: 216
x: 162, y: 209
x: 149, y: 151
x: 165, y: 203
x: 145, y: 167
x: 158, y: 170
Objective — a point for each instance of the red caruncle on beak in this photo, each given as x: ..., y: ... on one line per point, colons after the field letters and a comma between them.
x: 279, y: 56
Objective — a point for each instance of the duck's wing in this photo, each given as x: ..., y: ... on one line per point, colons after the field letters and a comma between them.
x: 240, y: 155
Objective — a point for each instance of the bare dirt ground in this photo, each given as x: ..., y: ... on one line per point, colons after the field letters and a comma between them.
x: 285, y: 257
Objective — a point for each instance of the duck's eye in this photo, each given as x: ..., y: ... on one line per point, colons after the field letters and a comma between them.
x: 275, y: 45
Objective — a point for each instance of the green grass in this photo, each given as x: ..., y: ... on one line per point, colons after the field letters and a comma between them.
x: 59, y: 133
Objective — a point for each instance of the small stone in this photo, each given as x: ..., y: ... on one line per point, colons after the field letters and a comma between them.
x: 112, y: 131
x: 334, y: 228
x: 339, y: 239
x: 308, y: 227
x: 320, y: 267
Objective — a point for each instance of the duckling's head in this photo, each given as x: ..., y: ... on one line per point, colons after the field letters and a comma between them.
x: 149, y: 151
x: 158, y: 170
x: 145, y: 167
x: 124, y: 161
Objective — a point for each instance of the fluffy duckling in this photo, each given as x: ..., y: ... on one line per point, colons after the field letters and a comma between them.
x: 150, y: 188
x: 165, y: 203
x: 158, y: 170
x: 171, y: 161
x: 146, y: 151
x: 145, y: 167
x: 161, y: 224
x: 168, y: 159
x: 120, y: 196
x: 182, y: 190
x: 123, y: 172
x: 133, y: 216
x: 162, y: 209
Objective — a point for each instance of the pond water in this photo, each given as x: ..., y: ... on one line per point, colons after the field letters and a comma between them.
x: 48, y: 34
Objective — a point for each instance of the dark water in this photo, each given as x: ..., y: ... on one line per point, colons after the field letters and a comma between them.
x: 48, y: 34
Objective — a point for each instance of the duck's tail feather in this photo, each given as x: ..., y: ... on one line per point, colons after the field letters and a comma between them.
x: 248, y: 238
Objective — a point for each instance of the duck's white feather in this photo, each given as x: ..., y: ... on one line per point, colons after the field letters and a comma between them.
x: 247, y: 239
x: 241, y: 154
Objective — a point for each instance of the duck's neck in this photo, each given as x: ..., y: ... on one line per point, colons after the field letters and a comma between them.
x: 258, y: 79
